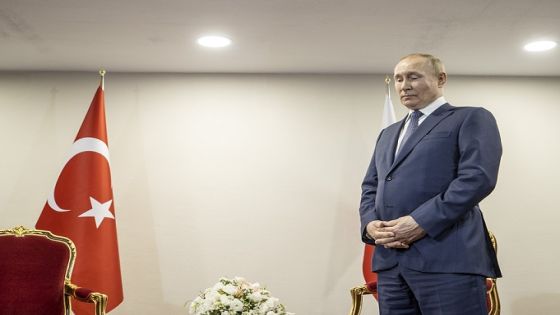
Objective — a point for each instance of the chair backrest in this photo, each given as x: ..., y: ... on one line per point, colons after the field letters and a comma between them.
x: 34, y: 267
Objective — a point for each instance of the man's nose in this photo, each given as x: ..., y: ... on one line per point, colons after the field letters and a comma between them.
x: 406, y: 85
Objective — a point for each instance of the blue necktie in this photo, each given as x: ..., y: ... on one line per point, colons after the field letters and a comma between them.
x: 412, y: 126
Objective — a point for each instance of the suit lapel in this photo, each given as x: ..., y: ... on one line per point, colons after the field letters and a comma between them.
x: 391, y: 134
x: 427, y: 125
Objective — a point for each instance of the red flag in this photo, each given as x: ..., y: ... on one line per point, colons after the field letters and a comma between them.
x: 81, y: 208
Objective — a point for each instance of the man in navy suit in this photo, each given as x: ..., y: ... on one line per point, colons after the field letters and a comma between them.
x: 420, y: 198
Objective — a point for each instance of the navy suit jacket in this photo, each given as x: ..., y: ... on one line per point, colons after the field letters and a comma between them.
x: 439, y: 176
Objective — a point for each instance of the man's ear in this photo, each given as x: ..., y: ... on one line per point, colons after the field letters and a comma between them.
x: 442, y: 79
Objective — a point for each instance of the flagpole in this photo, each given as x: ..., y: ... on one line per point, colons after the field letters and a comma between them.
x: 102, y: 74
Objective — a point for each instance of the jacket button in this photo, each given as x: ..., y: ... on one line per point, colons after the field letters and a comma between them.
x: 389, y: 178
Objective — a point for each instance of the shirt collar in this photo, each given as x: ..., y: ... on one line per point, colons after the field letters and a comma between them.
x: 426, y: 111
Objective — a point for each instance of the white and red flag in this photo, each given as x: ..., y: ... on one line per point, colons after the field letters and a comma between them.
x: 81, y: 208
x: 388, y: 118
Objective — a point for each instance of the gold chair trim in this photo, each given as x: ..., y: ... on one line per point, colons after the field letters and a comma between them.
x: 98, y: 299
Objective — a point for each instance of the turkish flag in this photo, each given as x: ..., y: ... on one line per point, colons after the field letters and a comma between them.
x: 81, y: 208
x: 369, y: 275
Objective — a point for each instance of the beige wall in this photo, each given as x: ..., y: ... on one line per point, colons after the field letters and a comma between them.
x: 259, y: 175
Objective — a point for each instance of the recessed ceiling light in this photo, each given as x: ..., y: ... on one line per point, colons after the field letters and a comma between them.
x: 541, y: 45
x: 214, y: 41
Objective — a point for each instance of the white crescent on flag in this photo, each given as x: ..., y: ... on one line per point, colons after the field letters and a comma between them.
x: 79, y: 146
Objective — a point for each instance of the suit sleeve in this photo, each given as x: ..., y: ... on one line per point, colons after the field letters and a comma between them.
x: 367, y: 202
x: 480, y: 151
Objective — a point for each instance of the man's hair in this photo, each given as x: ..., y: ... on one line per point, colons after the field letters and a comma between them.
x: 436, y: 63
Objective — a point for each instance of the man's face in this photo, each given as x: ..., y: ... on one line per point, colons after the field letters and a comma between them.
x: 416, y: 82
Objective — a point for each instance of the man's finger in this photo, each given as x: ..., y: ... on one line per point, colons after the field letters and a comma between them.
x: 396, y: 244
x: 384, y: 240
x: 382, y: 235
x: 389, y: 223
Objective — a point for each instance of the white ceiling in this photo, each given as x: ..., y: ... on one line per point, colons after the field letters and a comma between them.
x: 480, y: 37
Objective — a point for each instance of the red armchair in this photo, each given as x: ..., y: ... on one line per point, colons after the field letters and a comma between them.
x: 35, y: 271
x: 492, y: 298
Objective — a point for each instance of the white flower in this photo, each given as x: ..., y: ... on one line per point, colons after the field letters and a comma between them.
x: 236, y: 305
x: 230, y: 289
x: 236, y: 296
x: 226, y: 299
x: 217, y: 287
x: 271, y: 303
x: 255, y: 285
x: 256, y: 296
x: 208, y: 304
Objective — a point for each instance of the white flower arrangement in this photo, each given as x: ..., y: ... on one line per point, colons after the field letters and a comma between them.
x: 236, y: 297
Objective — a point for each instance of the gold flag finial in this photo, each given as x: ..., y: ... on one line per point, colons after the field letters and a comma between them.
x: 387, y: 87
x: 102, y: 74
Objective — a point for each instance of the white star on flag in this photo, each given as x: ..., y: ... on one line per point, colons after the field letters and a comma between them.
x: 99, y: 211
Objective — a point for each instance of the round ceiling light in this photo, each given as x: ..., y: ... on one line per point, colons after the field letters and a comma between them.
x: 214, y: 41
x: 541, y: 45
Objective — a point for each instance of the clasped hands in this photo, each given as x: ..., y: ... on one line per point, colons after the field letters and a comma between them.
x: 398, y: 233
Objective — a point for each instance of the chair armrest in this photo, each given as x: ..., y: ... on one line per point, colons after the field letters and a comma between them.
x: 86, y: 295
x: 357, y: 294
